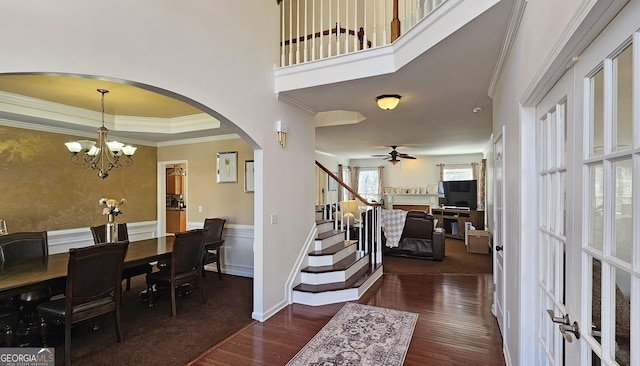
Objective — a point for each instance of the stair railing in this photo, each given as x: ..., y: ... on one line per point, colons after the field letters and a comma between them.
x: 317, y: 29
x: 366, y: 226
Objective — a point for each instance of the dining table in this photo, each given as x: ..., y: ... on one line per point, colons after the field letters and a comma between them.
x: 51, y: 271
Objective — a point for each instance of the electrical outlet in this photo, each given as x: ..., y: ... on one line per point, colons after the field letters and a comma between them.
x: 200, y: 209
x: 274, y: 219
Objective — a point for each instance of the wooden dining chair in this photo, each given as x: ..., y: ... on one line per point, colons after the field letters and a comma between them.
x: 99, y: 234
x: 8, y: 315
x: 17, y: 247
x: 94, y: 276
x: 212, y: 243
x: 185, y: 266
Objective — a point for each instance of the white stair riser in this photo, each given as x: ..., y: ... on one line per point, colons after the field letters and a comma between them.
x: 332, y: 297
x: 327, y: 242
x: 335, y: 276
x: 324, y: 227
x: 329, y: 260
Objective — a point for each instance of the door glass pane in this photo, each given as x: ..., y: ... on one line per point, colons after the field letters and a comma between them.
x: 552, y: 127
x: 563, y: 203
x: 597, y: 114
x: 553, y: 201
x: 623, y: 317
x: 623, y: 78
x: 597, y: 210
x: 542, y: 143
x: 596, y: 299
x: 563, y: 122
x: 623, y: 214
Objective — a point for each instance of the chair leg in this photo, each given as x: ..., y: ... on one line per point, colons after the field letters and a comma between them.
x: 150, y: 294
x: 44, y: 332
x: 201, y: 286
x: 67, y: 343
x: 219, y: 270
x: 173, y: 299
x: 8, y: 335
x: 128, y: 283
x: 116, y: 324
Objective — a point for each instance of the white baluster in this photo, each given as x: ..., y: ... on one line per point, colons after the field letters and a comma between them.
x: 313, y: 31
x: 346, y: 32
x: 338, y: 28
x: 330, y: 40
x: 418, y: 12
x: 321, y: 31
x: 355, y: 26
x: 298, y: 32
x: 290, y: 33
x: 306, y: 11
x: 365, y: 45
x: 282, y: 57
x: 374, y: 31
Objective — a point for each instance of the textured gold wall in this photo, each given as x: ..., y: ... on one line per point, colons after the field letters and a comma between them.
x: 42, y: 190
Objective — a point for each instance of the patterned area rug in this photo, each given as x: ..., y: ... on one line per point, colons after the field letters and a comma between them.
x: 360, y: 335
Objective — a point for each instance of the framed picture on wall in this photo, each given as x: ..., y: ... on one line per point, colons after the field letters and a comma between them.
x: 228, y: 167
x: 248, y: 176
x: 332, y: 185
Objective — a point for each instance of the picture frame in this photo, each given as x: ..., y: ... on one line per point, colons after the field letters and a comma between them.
x: 227, y: 167
x: 332, y: 184
x: 248, y: 176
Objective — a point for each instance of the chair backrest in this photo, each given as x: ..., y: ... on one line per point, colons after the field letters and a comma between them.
x: 24, y: 245
x: 95, y: 272
x: 418, y: 224
x: 214, y: 228
x: 99, y: 233
x: 187, y: 251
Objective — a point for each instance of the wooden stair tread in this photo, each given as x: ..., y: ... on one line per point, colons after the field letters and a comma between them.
x: 339, y: 266
x: 333, y: 249
x: 328, y: 234
x: 355, y: 281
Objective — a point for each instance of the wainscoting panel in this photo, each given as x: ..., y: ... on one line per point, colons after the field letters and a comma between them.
x: 237, y: 251
x: 62, y: 240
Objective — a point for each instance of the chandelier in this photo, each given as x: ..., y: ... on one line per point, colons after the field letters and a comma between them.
x: 105, y: 156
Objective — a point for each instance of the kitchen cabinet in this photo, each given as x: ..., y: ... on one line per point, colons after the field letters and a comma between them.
x: 174, y: 184
x: 176, y: 221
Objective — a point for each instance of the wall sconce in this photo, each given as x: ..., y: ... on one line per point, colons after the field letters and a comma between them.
x: 282, y: 133
x: 388, y: 101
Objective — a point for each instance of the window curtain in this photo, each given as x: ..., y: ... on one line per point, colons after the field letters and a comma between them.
x: 441, y: 165
x: 482, y: 181
x: 340, y: 188
x: 355, y: 177
x: 380, y: 182
x: 474, y: 171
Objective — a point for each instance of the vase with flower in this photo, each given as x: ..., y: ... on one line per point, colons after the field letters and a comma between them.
x: 111, y: 209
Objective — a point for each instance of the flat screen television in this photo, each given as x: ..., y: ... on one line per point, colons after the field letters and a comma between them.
x: 461, y: 193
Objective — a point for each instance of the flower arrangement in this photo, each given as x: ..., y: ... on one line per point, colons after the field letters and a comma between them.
x: 111, y: 206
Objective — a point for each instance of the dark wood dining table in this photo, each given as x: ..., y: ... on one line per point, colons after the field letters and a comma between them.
x: 52, y: 272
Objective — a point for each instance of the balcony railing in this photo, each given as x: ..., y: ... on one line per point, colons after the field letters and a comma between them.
x: 318, y: 29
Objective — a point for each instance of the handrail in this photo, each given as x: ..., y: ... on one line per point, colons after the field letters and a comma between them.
x: 327, y: 32
x: 346, y: 186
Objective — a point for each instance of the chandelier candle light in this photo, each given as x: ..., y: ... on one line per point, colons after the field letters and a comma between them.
x: 104, y: 156
x: 111, y: 209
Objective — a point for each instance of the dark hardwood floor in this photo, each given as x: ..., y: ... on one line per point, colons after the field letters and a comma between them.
x: 455, y: 325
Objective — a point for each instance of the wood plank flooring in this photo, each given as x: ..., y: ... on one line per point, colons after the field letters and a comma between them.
x: 455, y: 325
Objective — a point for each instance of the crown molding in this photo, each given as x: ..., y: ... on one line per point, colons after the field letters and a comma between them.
x: 231, y: 136
x: 296, y: 103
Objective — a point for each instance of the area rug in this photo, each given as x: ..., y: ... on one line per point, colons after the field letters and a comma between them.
x: 360, y: 335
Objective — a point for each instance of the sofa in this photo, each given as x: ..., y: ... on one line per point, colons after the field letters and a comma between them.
x: 419, y: 238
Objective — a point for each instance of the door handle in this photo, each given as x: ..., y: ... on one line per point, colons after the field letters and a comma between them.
x: 498, y: 248
x: 565, y: 326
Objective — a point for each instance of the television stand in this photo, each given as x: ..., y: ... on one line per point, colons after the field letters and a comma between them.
x: 453, y: 220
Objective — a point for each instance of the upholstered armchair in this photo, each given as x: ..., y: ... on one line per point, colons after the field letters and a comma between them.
x: 420, y: 239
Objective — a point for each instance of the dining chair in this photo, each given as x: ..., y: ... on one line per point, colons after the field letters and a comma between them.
x: 94, y: 276
x: 212, y: 243
x: 99, y: 234
x: 8, y: 315
x: 21, y: 246
x: 185, y: 266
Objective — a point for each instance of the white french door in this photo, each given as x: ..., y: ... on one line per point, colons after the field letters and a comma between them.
x: 588, y: 164
x: 498, y: 233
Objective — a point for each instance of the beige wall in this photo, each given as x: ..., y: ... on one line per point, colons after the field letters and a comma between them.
x: 226, y: 200
x: 43, y: 190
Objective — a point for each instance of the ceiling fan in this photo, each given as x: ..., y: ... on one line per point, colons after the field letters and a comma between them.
x: 393, y: 156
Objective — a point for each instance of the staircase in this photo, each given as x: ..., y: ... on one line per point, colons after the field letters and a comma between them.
x: 337, y: 271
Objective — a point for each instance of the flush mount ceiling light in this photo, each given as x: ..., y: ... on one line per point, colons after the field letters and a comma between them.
x: 104, y: 156
x: 388, y: 101
x: 477, y: 109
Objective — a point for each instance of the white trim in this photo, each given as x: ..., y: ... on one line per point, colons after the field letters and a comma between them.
x: 231, y: 136
x: 61, y: 241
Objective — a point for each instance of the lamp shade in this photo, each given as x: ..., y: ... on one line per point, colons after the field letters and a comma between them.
x: 388, y: 101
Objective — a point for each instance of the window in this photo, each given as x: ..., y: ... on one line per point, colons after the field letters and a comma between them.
x: 346, y: 177
x: 368, y: 184
x: 457, y: 173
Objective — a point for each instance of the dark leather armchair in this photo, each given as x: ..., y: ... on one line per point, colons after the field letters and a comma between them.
x: 419, y: 238
x: 212, y: 243
x: 99, y: 234
x: 93, y: 288
x: 186, y: 266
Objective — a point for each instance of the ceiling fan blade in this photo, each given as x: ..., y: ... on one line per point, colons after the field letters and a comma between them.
x: 407, y: 157
x: 380, y: 156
